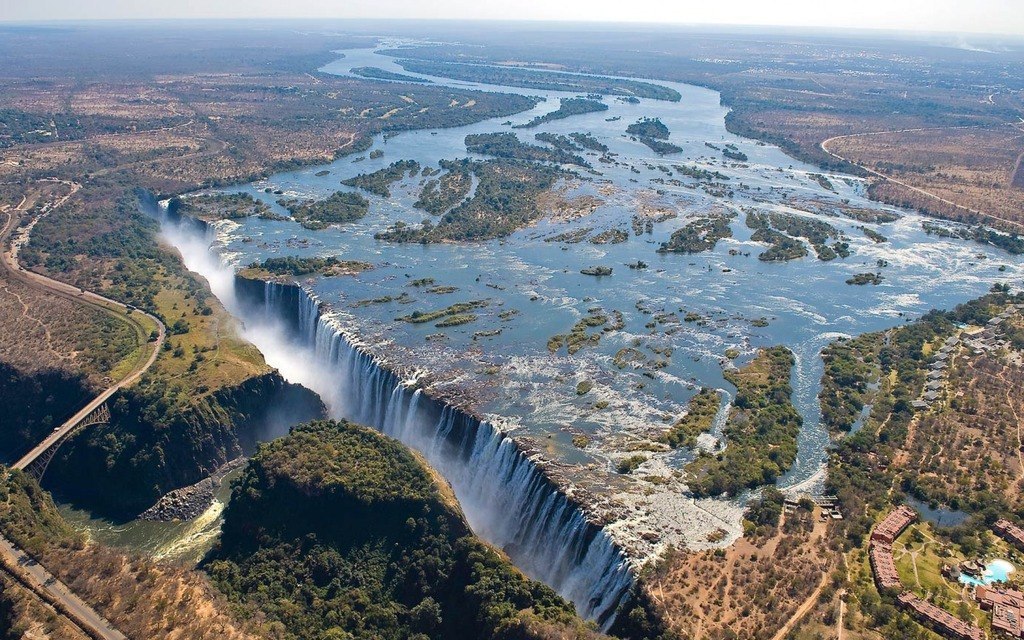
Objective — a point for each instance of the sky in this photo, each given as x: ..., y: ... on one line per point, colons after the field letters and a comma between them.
x: 957, y: 16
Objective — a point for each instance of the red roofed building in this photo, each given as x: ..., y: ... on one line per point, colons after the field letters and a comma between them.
x: 884, y: 567
x: 1010, y: 532
x: 941, y: 620
x: 1007, y: 607
x: 880, y: 554
x: 893, y: 525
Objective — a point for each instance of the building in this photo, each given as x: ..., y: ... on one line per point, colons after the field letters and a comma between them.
x: 1007, y: 607
x: 939, y: 619
x: 1010, y: 532
x: 893, y: 524
x: 1006, y: 620
x: 880, y: 553
x: 884, y: 567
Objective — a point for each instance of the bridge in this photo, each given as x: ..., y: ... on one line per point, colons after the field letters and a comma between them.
x: 95, y: 411
x: 12, y: 559
x: 38, y: 459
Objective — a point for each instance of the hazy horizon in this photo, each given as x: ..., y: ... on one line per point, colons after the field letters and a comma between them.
x: 982, y: 17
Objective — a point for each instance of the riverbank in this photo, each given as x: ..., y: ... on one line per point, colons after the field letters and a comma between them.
x: 188, y: 503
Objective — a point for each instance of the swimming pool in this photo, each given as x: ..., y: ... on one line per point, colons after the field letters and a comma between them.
x: 995, y: 571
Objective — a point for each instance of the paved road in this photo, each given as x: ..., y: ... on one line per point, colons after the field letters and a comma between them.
x: 824, y: 147
x: 43, y: 582
x: 10, y: 264
x: 17, y: 561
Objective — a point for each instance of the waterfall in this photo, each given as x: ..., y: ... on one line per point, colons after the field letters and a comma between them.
x: 507, y: 498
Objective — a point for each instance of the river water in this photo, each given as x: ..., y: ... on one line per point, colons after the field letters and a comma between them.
x: 535, y: 290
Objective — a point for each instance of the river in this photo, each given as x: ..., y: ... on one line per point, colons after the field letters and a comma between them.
x: 500, y: 366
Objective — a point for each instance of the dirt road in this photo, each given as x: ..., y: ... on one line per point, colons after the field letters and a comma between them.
x: 824, y: 147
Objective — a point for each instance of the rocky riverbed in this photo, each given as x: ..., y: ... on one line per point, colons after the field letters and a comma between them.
x: 188, y: 503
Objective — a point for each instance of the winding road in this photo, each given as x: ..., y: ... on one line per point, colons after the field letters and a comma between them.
x: 17, y: 562
x: 878, y: 174
x: 9, y: 264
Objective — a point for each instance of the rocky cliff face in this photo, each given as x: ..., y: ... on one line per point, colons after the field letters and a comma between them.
x: 149, y: 448
x: 33, y: 404
x: 509, y: 499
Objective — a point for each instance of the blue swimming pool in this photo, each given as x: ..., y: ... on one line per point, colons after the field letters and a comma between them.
x: 995, y: 571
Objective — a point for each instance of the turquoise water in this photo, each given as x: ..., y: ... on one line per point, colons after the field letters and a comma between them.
x: 178, y: 541
x: 995, y: 571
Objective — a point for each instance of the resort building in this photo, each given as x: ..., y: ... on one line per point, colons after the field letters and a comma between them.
x: 893, y: 525
x: 1010, y: 532
x: 880, y: 552
x: 941, y: 620
x: 884, y: 567
x: 1007, y: 607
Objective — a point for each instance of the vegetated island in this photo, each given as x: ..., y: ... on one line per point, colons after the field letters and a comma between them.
x: 507, y: 145
x: 212, y: 207
x: 588, y: 141
x: 569, y: 107
x: 541, y: 80
x: 649, y: 128
x: 1010, y: 242
x: 699, y: 418
x: 505, y: 200
x: 760, y: 432
x: 341, y: 207
x: 732, y: 152
x: 378, y: 183
x: 700, y: 235
x: 577, y: 338
x: 337, y: 531
x: 779, y: 229
x: 866, y: 278
x: 873, y: 235
x: 281, y: 268
x: 441, y: 194
x: 610, y: 236
x: 653, y: 133
x: 558, y: 141
x: 697, y: 173
x: 450, y: 316
x: 376, y: 73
